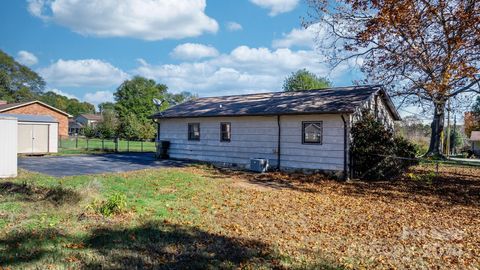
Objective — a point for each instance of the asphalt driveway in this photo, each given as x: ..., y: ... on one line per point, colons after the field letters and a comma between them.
x: 94, y: 164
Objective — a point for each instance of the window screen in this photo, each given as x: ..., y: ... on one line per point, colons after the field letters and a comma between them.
x: 225, y: 132
x: 312, y: 132
x: 194, y: 131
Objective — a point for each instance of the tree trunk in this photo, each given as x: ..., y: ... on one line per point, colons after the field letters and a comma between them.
x: 435, y: 148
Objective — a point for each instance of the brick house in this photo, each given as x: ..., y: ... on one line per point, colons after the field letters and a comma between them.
x: 38, y: 108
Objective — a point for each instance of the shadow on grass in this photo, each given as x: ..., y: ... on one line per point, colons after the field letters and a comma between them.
x: 155, y: 245
x: 56, y: 195
x: 166, y: 246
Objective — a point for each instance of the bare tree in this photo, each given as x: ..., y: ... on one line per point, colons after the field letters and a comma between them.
x: 424, y: 51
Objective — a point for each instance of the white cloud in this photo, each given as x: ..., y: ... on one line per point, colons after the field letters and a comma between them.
x: 85, y: 72
x: 26, y: 58
x: 193, y: 51
x: 233, y: 26
x: 142, y: 19
x: 98, y: 97
x: 243, y: 70
x: 299, y: 37
x: 276, y: 6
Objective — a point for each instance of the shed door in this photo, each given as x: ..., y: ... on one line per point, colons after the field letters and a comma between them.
x: 40, y: 138
x: 25, y: 135
x: 32, y: 138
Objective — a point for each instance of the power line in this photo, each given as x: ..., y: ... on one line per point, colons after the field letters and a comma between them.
x: 416, y: 114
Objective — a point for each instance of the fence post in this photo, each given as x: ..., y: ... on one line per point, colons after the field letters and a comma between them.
x: 76, y: 141
x: 116, y: 144
x: 128, y: 146
x: 141, y: 143
x: 87, y: 144
x: 103, y: 145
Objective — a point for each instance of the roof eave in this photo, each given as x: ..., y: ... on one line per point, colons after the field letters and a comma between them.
x: 390, y: 105
x: 36, y: 101
x: 156, y: 116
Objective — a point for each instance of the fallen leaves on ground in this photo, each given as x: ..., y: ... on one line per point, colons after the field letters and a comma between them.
x: 391, y: 224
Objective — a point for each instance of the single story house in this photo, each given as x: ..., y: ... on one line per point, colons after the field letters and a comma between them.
x: 76, y: 126
x: 38, y: 108
x: 36, y: 134
x: 89, y: 119
x: 475, y: 140
x: 291, y: 130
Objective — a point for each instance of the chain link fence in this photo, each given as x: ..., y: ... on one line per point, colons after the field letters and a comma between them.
x: 420, y: 168
x: 104, y: 145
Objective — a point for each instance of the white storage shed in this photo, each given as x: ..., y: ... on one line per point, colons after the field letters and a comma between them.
x: 37, y: 134
x: 8, y: 146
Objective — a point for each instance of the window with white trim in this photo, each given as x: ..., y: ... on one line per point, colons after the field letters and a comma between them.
x: 225, y: 132
x: 193, y: 131
x: 312, y: 132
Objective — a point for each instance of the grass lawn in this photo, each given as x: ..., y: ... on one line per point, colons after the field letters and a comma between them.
x: 199, y: 217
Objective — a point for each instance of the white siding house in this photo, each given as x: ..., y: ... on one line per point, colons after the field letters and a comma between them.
x: 257, y: 137
x: 264, y: 126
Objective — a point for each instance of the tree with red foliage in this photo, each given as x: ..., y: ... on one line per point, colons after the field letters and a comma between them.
x: 425, y: 51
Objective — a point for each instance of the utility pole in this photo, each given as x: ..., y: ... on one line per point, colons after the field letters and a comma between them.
x: 454, y: 134
x: 448, y: 130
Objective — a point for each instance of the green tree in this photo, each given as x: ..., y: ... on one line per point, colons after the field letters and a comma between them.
x: 18, y: 82
x: 106, y: 106
x: 304, y: 80
x: 70, y: 105
x: 55, y: 100
x: 108, y: 127
x: 75, y: 107
x: 130, y: 127
x: 90, y: 132
x: 134, y: 106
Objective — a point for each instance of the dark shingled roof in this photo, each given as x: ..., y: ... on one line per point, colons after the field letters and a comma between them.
x: 91, y: 116
x: 322, y: 101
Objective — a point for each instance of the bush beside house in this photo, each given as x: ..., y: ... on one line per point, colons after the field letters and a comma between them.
x: 377, y: 154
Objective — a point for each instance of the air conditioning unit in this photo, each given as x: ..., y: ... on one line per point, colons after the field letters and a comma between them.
x: 259, y: 165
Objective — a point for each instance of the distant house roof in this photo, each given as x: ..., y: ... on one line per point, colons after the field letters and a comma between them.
x: 91, y: 116
x: 322, y: 101
x: 475, y: 136
x: 74, y: 124
x: 32, y: 118
x: 10, y: 106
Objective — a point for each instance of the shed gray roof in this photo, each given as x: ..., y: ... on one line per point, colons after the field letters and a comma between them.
x: 322, y: 101
x: 31, y: 118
